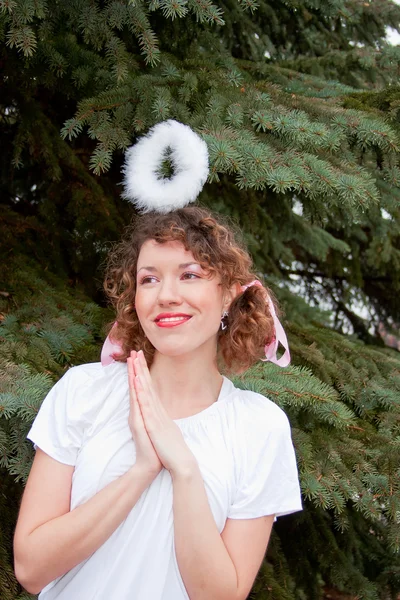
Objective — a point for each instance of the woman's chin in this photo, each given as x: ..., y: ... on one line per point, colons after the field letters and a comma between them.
x: 175, y: 345
x: 174, y: 350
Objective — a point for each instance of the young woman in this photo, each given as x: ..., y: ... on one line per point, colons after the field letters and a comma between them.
x: 154, y: 476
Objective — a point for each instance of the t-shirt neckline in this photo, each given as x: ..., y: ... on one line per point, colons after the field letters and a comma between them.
x: 223, y: 393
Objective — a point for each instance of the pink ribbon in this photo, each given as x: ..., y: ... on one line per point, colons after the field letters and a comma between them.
x: 110, y: 347
x: 280, y: 335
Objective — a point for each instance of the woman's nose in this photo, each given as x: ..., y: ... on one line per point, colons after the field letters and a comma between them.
x: 168, y: 293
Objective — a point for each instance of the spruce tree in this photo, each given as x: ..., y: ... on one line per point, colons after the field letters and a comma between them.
x: 299, y: 104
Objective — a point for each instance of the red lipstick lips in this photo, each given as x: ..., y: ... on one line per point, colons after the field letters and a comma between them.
x: 171, y: 319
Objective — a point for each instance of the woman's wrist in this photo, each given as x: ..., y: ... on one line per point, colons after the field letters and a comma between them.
x: 142, y: 473
x: 185, y: 470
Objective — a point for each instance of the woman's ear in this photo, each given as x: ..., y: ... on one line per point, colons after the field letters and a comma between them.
x: 231, y: 294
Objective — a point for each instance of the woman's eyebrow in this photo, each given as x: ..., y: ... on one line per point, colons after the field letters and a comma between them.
x: 182, y: 266
x: 152, y: 269
x: 185, y: 265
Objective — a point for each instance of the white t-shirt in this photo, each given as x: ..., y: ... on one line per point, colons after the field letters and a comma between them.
x: 243, y: 446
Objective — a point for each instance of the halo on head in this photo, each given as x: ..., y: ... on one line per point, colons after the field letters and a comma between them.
x: 143, y: 185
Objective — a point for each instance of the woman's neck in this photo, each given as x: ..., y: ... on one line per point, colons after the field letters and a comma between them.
x: 185, y: 384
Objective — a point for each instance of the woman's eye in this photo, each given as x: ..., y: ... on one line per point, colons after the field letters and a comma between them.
x: 152, y: 278
x: 147, y: 279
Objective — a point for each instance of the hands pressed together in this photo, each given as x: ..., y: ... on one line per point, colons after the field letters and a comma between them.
x: 158, y: 439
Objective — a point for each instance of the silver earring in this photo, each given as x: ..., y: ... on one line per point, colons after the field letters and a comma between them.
x: 224, y: 315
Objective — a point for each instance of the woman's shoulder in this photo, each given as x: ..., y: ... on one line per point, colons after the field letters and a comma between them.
x: 88, y: 385
x: 95, y: 371
x: 258, y: 410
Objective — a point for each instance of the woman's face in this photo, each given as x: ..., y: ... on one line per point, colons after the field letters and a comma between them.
x: 178, y: 304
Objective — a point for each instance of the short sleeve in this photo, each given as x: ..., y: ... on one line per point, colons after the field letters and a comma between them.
x: 57, y: 429
x: 268, y: 478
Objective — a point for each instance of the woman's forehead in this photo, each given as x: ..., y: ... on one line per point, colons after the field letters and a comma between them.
x: 165, y: 252
x: 154, y: 255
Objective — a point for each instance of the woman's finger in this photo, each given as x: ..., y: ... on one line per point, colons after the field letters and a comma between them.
x: 131, y: 377
x: 138, y: 365
x: 150, y: 397
x: 146, y: 379
x: 131, y: 373
x: 144, y: 368
x: 141, y: 376
x: 135, y: 411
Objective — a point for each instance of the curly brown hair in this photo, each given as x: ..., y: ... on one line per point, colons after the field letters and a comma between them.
x: 219, y: 248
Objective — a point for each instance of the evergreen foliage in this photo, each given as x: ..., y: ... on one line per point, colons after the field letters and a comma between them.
x: 299, y: 103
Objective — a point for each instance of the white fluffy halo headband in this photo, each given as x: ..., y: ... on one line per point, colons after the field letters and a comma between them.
x: 143, y: 185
